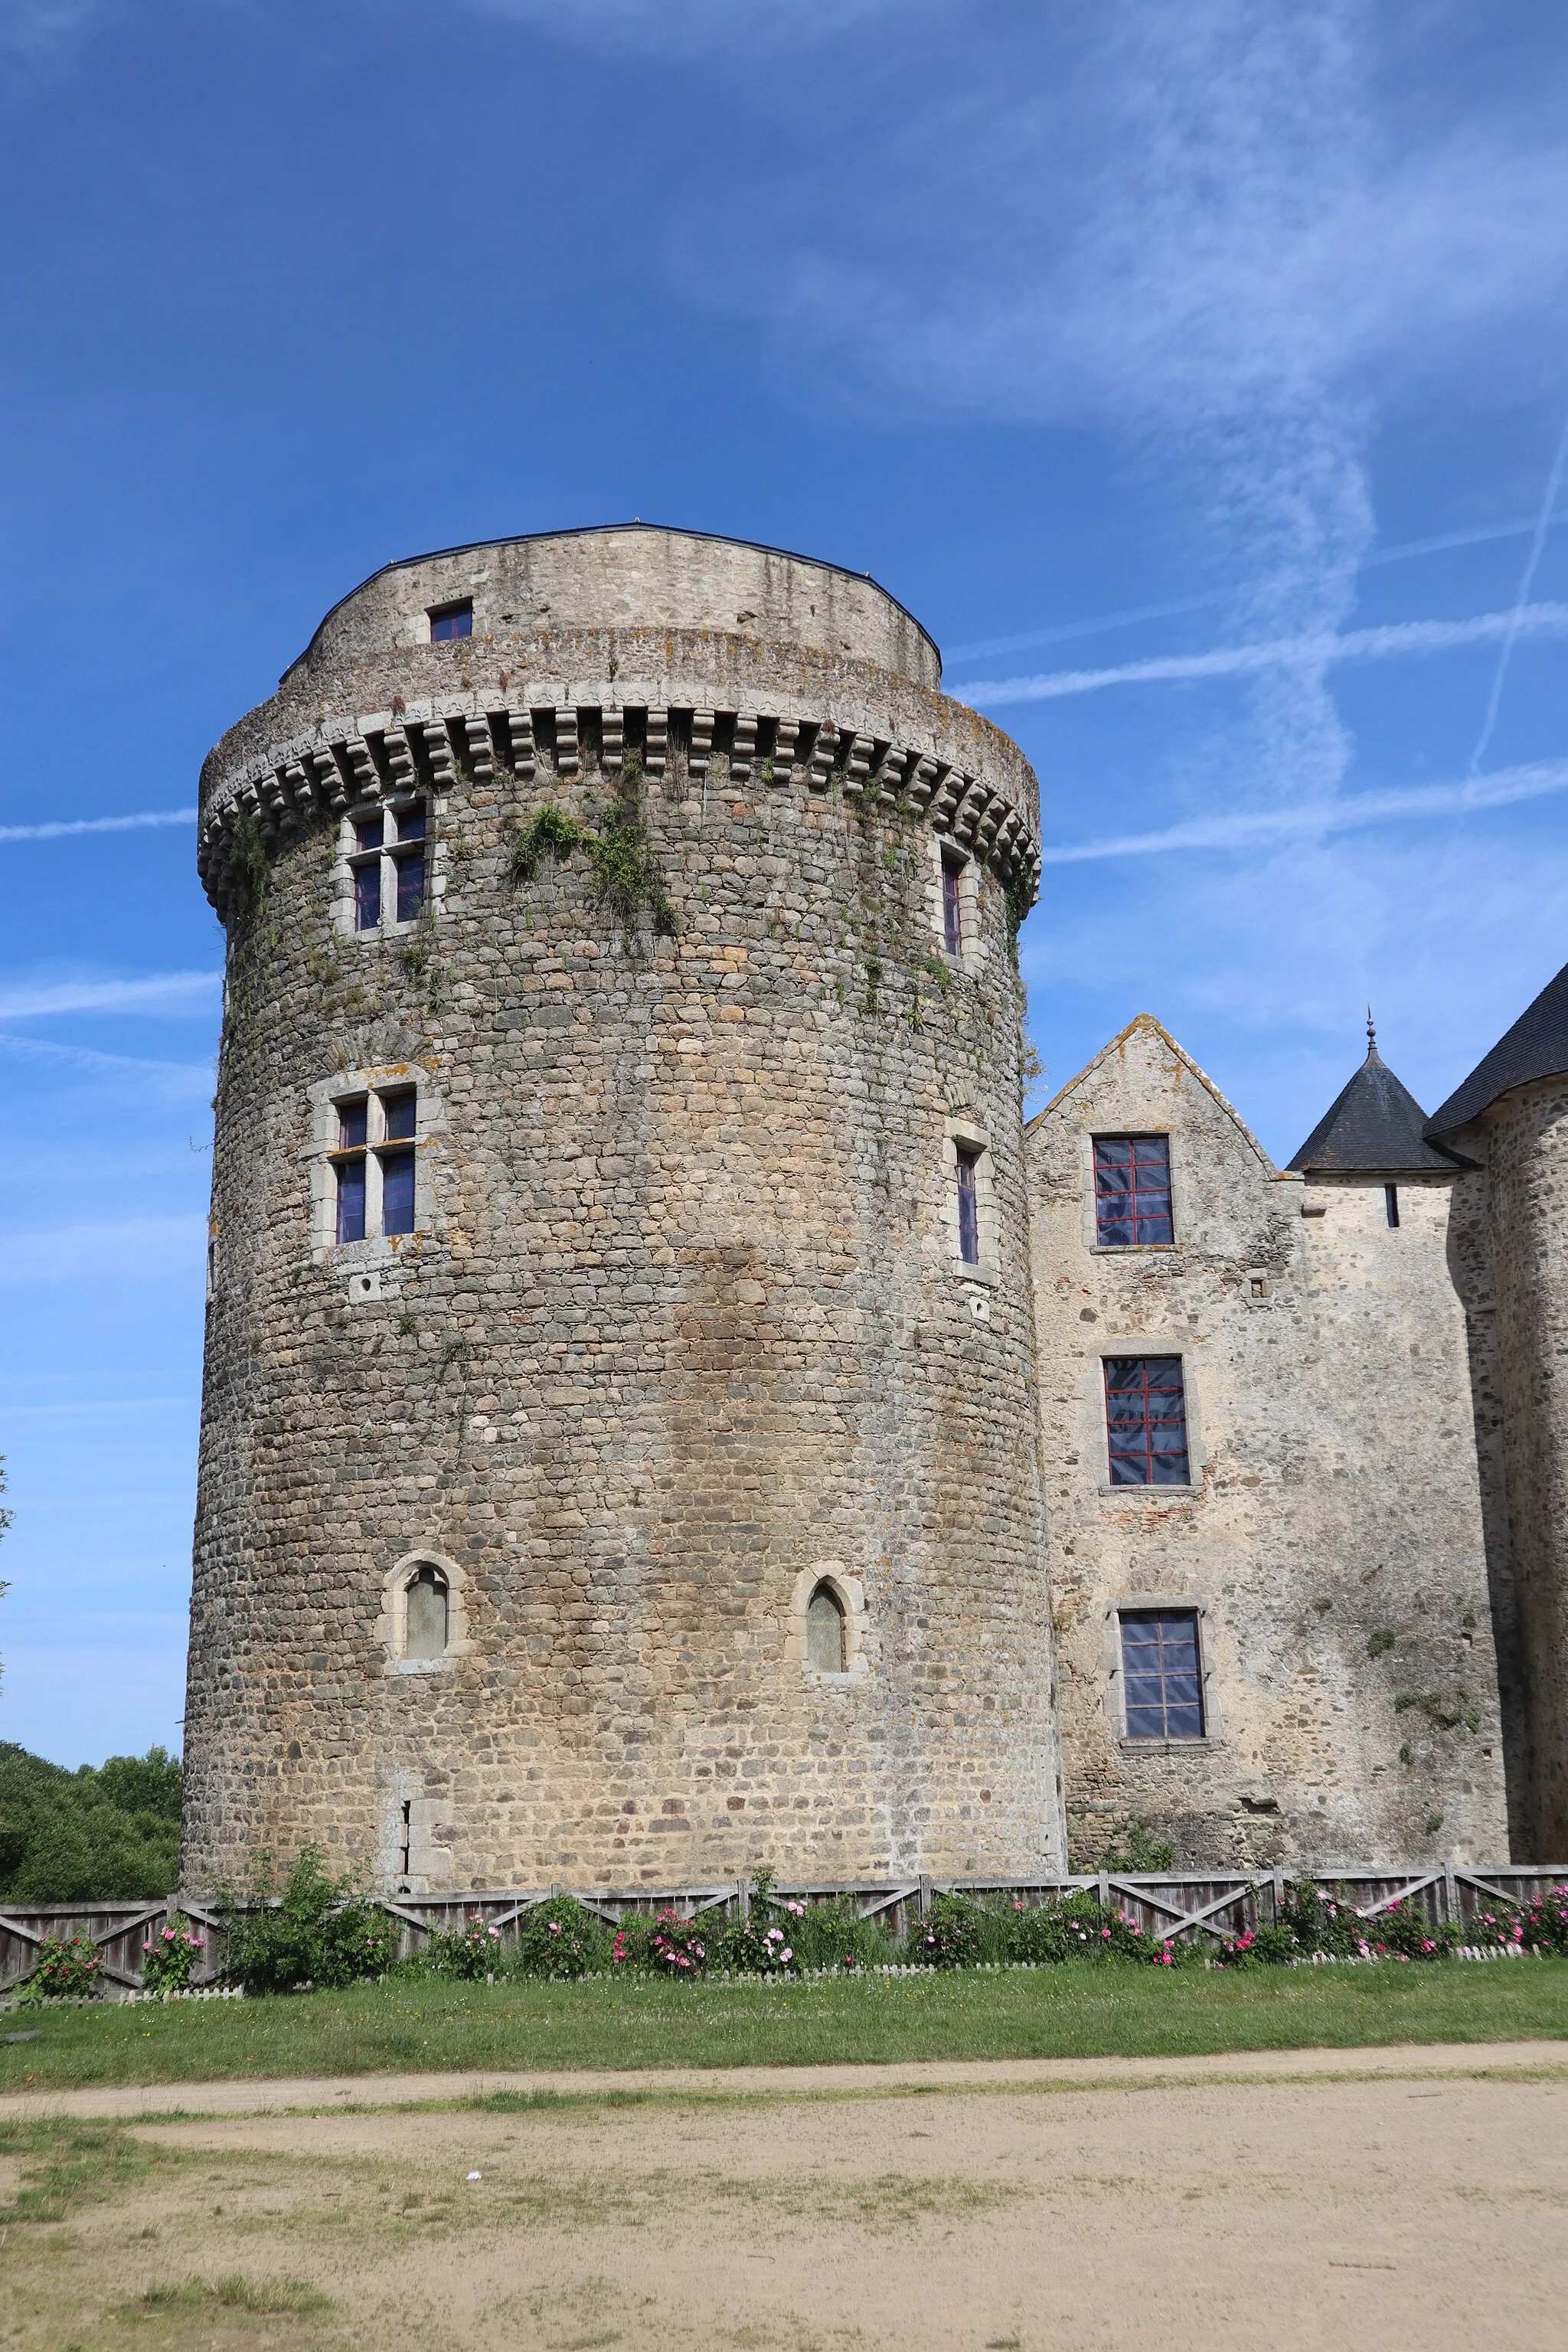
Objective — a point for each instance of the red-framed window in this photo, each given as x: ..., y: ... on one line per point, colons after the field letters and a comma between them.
x: 1146, y: 1421
x: 1132, y: 1191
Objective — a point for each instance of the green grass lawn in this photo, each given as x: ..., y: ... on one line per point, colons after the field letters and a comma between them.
x: 1071, y: 2012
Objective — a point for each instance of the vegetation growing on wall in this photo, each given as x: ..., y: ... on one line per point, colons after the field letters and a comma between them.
x: 626, y: 881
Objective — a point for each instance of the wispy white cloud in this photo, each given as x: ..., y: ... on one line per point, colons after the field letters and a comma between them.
x: 159, y: 992
x: 691, y: 28
x: 1243, y: 828
x: 1439, y: 542
x: 171, y: 1079
x: 57, y: 829
x: 133, y: 1247
x: 1308, y: 653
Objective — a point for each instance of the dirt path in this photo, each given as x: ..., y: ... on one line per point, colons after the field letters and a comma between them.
x: 1402, y: 2197
x: 306, y: 2093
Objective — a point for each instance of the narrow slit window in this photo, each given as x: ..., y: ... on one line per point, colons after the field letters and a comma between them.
x: 1162, y: 1677
x: 449, y: 621
x: 953, y: 905
x: 1132, y: 1192
x: 406, y: 1838
x: 824, y: 1631
x: 1146, y: 1421
x: 968, y: 1207
x: 1391, y: 1203
x: 429, y: 1606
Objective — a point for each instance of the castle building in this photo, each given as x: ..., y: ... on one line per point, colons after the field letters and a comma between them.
x: 664, y: 1412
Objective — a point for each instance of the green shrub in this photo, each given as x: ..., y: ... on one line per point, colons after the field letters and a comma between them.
x: 358, y: 1941
x: 67, y: 1968
x: 1076, y: 1927
x: 1331, y: 1925
x: 1135, y: 1851
x: 469, y: 1952
x: 168, y: 1958
x: 831, y: 1934
x: 1538, y: 1925
x: 1404, y: 1932
x: 953, y: 1934
x: 320, y: 1930
x: 560, y: 1939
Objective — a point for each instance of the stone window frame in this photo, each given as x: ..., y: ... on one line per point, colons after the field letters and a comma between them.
x: 347, y: 852
x: 964, y: 1131
x: 1103, y: 1130
x: 850, y: 1595
x: 370, y: 1266
x: 1092, y: 1404
x: 941, y: 848
x: 392, y: 1625
x: 1187, y: 1603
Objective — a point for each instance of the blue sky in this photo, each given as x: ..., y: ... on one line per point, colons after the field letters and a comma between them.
x: 1197, y: 374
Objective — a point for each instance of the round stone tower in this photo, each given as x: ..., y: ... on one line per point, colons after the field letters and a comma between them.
x: 619, y: 1448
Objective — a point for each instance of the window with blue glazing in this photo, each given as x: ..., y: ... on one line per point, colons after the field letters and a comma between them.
x: 1132, y: 1192
x: 449, y: 621
x: 374, y: 1164
x: 387, y: 859
x: 968, y: 1207
x: 1161, y: 1673
x: 1146, y: 1421
x: 952, y: 902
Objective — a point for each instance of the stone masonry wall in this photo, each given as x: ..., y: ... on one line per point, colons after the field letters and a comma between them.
x: 685, y: 1325
x: 1335, y: 1499
x: 1524, y: 1141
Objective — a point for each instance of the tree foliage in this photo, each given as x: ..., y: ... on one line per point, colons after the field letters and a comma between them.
x: 109, y: 1831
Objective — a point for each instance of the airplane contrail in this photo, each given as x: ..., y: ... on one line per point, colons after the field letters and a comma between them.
x: 1521, y: 601
x: 61, y: 826
x: 1280, y: 652
x: 1055, y: 634
x: 1246, y: 826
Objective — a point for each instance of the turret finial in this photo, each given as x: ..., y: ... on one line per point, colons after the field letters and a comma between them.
x: 1372, y: 1052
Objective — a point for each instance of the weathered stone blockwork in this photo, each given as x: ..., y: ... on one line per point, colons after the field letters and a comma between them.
x: 1522, y: 1142
x: 685, y: 1320
x: 510, y: 1524
x: 1335, y: 1497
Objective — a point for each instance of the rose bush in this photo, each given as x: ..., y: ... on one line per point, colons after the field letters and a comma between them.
x: 168, y: 1958
x: 67, y: 1966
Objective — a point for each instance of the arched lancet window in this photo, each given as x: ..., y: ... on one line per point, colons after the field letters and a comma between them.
x: 426, y: 1601
x: 824, y: 1631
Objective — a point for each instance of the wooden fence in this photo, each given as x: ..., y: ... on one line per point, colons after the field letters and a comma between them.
x: 1181, y: 1905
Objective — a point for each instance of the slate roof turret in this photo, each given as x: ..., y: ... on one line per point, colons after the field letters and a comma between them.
x: 1374, y: 1127
x: 1535, y: 1048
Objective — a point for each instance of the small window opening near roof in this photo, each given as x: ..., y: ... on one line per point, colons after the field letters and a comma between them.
x: 448, y: 621
x: 1132, y: 1192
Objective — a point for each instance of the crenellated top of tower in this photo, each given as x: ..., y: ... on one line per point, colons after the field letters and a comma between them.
x: 628, y: 575
x: 574, y: 652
